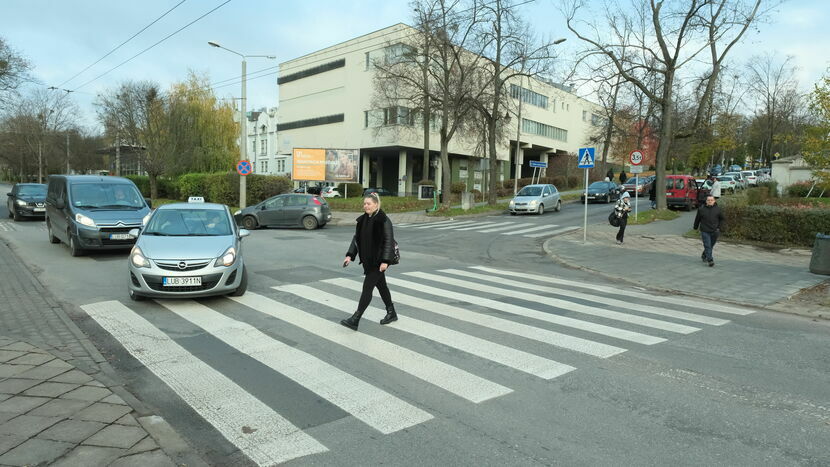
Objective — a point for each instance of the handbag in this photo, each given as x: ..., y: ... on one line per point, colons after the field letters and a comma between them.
x: 614, y: 219
x: 396, y: 253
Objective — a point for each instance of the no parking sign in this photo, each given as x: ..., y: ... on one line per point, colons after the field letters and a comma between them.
x: 244, y: 167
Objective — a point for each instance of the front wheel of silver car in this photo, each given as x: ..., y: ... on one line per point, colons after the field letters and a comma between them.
x: 243, y: 284
x: 558, y: 206
x: 309, y: 222
x: 541, y: 209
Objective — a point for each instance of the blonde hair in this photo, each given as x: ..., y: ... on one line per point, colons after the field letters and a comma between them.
x: 374, y: 197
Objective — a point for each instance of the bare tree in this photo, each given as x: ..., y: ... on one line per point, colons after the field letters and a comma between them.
x: 14, y: 70
x: 773, y: 85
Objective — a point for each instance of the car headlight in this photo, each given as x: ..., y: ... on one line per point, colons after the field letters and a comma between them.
x: 512, y: 203
x: 227, y: 258
x: 138, y: 259
x: 20, y: 202
x: 533, y: 203
x: 237, y: 212
x: 82, y: 219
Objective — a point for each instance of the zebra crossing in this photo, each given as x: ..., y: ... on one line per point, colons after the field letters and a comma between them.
x: 571, y: 320
x: 11, y: 226
x: 525, y: 229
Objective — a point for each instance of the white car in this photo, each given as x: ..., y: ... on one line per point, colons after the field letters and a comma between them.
x: 751, y: 178
x: 330, y: 192
x: 741, y: 181
x: 728, y: 183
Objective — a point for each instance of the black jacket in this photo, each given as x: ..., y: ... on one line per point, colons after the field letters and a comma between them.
x: 382, y: 240
x: 709, y: 218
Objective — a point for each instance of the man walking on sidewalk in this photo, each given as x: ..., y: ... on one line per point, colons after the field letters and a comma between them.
x: 710, y: 220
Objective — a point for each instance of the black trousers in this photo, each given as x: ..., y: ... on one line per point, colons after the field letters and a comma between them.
x: 621, y: 232
x: 374, y: 278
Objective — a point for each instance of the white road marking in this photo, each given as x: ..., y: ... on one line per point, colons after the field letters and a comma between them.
x: 541, y: 316
x: 554, y: 232
x: 434, y: 224
x: 509, y: 225
x: 564, y: 304
x: 694, y: 303
x: 532, y: 229
x: 456, y: 224
x: 367, y: 403
x: 454, y: 380
x: 480, y: 225
x: 556, y: 339
x: 507, y: 356
x: 250, y: 425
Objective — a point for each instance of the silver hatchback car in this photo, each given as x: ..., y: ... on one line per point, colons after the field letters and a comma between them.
x: 188, y: 250
x: 535, y: 199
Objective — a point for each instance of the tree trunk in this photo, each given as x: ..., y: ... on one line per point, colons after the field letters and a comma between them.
x: 663, y: 148
x: 154, y: 191
x: 446, y: 174
x: 609, y: 131
x: 492, y: 199
x: 427, y: 114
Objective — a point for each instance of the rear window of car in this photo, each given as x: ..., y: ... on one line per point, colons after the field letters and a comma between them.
x: 675, y: 184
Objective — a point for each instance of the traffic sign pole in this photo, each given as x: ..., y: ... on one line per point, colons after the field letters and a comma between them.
x: 585, y: 216
x: 585, y: 160
x: 636, y: 158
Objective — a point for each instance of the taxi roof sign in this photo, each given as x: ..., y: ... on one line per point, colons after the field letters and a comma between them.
x: 196, y: 199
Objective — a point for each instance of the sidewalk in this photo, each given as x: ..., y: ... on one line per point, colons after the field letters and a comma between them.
x: 60, y: 402
x: 657, y: 256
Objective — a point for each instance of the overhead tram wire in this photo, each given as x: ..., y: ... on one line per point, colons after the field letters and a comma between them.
x: 121, y: 44
x: 305, y: 64
x: 157, y: 43
x: 238, y: 79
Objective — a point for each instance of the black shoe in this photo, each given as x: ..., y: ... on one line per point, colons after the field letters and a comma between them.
x: 390, y: 315
x: 353, y: 321
x: 703, y: 257
x: 711, y: 263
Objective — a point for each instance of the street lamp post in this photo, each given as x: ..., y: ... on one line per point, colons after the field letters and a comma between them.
x: 243, y: 120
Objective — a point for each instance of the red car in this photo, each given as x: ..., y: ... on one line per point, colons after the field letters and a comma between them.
x: 682, y: 191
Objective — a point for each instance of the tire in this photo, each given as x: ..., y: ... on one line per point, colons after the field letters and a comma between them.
x: 541, y: 209
x: 512, y: 213
x: 558, y: 206
x: 16, y: 216
x: 74, y: 249
x: 309, y: 222
x: 10, y: 211
x: 688, y: 206
x: 136, y: 297
x: 250, y: 223
x: 52, y: 237
x: 243, y: 284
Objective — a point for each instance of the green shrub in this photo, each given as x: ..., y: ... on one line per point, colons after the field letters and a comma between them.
x: 757, y: 195
x: 559, y: 181
x: 193, y: 184
x: 167, y: 187
x: 261, y: 187
x: 780, y: 225
x: 142, y: 182
x: 458, y: 187
x: 772, y: 187
x: 800, y: 190
x: 224, y: 189
x: 574, y: 181
x: 350, y: 189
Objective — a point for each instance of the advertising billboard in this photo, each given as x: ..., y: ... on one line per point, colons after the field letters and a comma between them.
x: 325, y: 165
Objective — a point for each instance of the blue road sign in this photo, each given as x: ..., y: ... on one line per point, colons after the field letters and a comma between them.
x: 585, y: 158
x: 244, y: 167
x: 538, y: 164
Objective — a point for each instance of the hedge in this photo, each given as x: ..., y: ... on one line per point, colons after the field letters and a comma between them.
x: 800, y: 190
x: 354, y: 189
x: 220, y: 188
x: 779, y: 225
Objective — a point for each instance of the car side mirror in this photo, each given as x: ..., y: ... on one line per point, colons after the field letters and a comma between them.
x: 244, y: 233
x: 60, y: 204
x: 134, y: 232
x: 262, y: 208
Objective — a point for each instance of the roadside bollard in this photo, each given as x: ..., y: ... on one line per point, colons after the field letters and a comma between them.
x: 820, y: 261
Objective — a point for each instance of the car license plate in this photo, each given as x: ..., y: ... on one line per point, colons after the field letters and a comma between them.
x: 591, y: 197
x: 121, y: 236
x: 40, y: 209
x: 181, y: 281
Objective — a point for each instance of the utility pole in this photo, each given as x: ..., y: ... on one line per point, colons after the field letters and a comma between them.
x: 67, y: 153
x: 518, y: 147
x: 39, y: 161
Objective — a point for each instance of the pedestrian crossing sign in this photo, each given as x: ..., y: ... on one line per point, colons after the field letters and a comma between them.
x: 585, y: 158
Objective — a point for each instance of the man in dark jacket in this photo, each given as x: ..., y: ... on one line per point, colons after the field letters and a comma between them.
x: 623, y: 177
x: 709, y: 220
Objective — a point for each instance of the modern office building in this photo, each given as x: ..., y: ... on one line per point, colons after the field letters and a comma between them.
x: 326, y: 101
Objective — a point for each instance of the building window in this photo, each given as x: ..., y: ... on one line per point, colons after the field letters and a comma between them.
x: 528, y: 96
x: 536, y: 128
x: 337, y: 118
x: 365, y: 119
x: 253, y: 147
x: 584, y: 115
x: 312, y: 71
x: 281, y: 165
x: 596, y: 120
x: 398, y: 53
x: 553, y: 105
x: 263, y: 147
x: 395, y: 115
x: 366, y: 66
x: 263, y: 166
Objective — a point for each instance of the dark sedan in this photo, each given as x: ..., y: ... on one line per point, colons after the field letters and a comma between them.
x: 602, y: 191
x: 27, y: 200
x: 380, y: 191
x: 289, y: 210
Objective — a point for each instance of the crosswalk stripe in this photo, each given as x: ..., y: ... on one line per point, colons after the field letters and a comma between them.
x: 700, y: 304
x: 480, y: 225
x: 532, y: 229
x: 564, y: 304
x: 434, y: 224
x: 612, y: 302
x: 260, y: 433
x: 454, y: 380
x: 456, y: 224
x: 553, y: 338
x: 523, y: 311
x: 367, y: 403
x: 553, y: 232
x: 509, y: 225
x: 507, y: 356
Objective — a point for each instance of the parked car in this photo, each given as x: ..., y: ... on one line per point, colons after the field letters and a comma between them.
x: 735, y: 168
x: 91, y: 212
x: 728, y: 183
x: 27, y: 200
x: 739, y: 178
x: 637, y: 185
x: 331, y: 192
x: 288, y: 210
x: 751, y: 177
x: 379, y: 191
x: 602, y: 191
x: 187, y: 250
x: 535, y: 199
x: 682, y: 191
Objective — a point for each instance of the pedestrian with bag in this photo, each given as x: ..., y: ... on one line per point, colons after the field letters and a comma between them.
x: 623, y: 177
x: 622, y: 208
x: 652, y: 195
x: 374, y: 243
x: 709, y: 220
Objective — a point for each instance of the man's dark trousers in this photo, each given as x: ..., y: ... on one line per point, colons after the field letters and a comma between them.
x: 709, y: 240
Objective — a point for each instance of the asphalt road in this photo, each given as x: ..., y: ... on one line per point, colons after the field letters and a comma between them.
x: 479, y: 370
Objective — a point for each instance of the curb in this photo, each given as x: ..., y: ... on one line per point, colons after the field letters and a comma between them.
x: 166, y: 437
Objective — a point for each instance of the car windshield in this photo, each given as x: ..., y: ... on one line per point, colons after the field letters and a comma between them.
x: 599, y: 185
x: 194, y: 222
x: 530, y: 191
x: 31, y: 190
x: 106, y: 196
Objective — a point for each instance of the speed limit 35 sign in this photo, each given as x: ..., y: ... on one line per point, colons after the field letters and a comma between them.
x: 636, y: 157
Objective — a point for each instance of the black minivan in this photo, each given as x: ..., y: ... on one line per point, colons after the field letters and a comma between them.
x: 91, y: 212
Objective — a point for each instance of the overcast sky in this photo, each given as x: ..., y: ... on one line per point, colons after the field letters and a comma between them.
x: 62, y: 37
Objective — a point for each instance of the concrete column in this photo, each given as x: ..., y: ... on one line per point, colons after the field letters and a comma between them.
x: 366, y: 168
x: 379, y: 179
x: 410, y: 169
x: 439, y: 175
x: 544, y: 157
x: 402, y: 178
